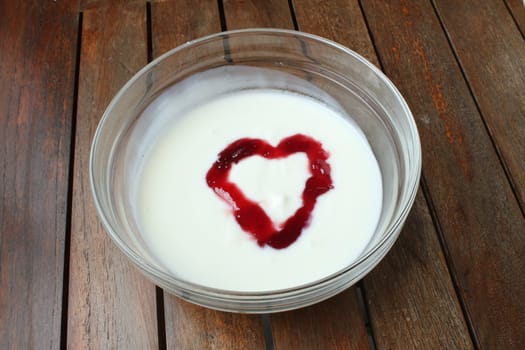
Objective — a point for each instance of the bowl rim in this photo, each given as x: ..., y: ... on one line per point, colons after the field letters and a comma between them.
x: 406, y: 199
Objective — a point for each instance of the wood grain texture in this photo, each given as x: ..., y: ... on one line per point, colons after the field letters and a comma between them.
x: 517, y: 8
x: 189, y: 326
x: 37, y: 73
x: 498, y: 80
x: 410, y: 296
x: 476, y: 211
x: 395, y: 289
x: 92, y: 4
x: 338, y: 20
x: 336, y: 323
x: 257, y: 13
x: 111, y: 305
x: 176, y: 22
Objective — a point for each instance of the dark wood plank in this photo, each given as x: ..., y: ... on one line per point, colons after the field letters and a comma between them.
x: 497, y: 80
x: 412, y: 285
x: 189, y: 326
x: 336, y: 323
x: 317, y: 326
x: 341, y: 21
x: 91, y: 4
x: 111, y: 305
x: 37, y: 73
x: 476, y: 211
x: 517, y: 8
x: 257, y: 13
x: 87, y: 4
x: 176, y: 22
x: 410, y: 296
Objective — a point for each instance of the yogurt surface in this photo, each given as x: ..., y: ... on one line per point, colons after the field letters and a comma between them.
x: 192, y: 232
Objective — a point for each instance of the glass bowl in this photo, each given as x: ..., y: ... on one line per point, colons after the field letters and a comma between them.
x: 343, y: 78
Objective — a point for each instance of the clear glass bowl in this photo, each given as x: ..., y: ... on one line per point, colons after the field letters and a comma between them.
x: 351, y: 82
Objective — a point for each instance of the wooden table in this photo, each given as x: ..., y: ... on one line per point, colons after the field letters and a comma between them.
x: 455, y: 279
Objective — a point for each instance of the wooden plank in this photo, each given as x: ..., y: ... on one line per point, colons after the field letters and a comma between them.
x: 314, y: 327
x: 410, y: 296
x: 417, y: 253
x: 257, y: 13
x: 190, y: 326
x: 91, y: 4
x: 37, y: 73
x: 336, y: 323
x: 111, y: 305
x: 464, y: 176
x: 341, y: 21
x: 497, y: 80
x: 176, y: 22
x: 517, y: 8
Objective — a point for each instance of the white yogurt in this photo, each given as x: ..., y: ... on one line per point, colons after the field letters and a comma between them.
x: 192, y: 232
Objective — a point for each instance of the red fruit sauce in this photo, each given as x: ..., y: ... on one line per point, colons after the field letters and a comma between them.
x: 249, y: 215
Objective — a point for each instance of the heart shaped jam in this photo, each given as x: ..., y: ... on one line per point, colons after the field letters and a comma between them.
x: 249, y: 214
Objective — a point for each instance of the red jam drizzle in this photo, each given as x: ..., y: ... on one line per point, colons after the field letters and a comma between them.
x: 248, y: 214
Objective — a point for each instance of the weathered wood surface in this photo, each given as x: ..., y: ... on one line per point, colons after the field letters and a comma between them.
x: 498, y: 84
x: 190, y: 326
x: 340, y: 21
x: 241, y: 14
x: 111, y: 305
x: 175, y: 22
x: 498, y: 80
x: 517, y: 9
x: 336, y: 323
x: 453, y: 280
x: 410, y: 295
x: 36, y: 106
x: 473, y: 205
